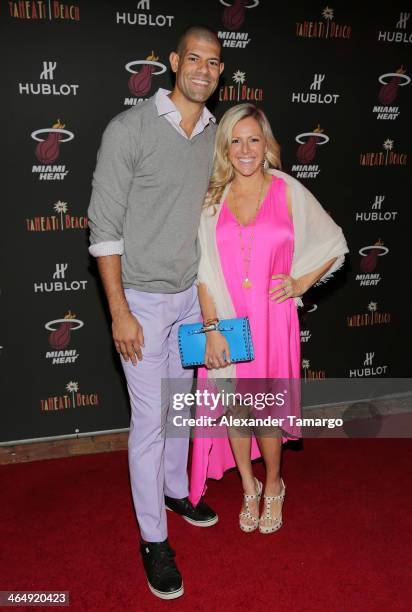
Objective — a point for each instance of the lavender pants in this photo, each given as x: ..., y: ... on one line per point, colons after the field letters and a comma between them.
x: 157, y: 462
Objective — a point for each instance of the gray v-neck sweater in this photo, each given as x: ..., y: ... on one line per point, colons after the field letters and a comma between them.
x: 148, y: 189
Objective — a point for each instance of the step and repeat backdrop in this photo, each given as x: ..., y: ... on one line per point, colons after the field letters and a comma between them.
x: 335, y: 82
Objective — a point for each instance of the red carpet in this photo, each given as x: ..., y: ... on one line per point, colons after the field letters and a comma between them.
x: 68, y: 524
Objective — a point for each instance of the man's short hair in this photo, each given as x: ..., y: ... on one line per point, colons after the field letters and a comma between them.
x: 197, y: 31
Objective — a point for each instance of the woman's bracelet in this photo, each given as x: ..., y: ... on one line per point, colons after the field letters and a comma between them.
x: 208, y: 322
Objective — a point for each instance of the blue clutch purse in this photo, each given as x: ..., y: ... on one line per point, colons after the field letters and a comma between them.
x: 192, y: 341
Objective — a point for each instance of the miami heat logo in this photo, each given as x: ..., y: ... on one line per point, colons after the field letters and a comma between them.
x: 48, y: 150
x: 308, y: 305
x: 389, y: 91
x: 370, y: 256
x: 60, y: 335
x: 234, y: 14
x: 307, y: 150
x: 140, y: 82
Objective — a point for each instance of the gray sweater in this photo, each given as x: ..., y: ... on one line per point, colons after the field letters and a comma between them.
x: 148, y: 189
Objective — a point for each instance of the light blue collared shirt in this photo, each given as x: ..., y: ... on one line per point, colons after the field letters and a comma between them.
x: 167, y: 108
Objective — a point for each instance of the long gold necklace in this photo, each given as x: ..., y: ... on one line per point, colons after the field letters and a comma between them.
x: 247, y: 283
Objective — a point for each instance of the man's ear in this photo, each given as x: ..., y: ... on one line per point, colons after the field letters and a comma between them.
x: 174, y: 61
x: 221, y: 67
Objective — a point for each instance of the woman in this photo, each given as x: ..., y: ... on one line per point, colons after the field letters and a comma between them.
x: 264, y: 241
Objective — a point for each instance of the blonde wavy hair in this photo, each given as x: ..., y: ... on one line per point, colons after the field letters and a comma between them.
x: 223, y: 172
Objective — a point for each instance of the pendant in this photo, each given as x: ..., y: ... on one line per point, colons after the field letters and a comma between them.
x: 246, y: 283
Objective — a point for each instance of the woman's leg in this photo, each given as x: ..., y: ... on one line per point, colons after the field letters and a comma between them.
x: 241, y: 452
x: 271, y: 451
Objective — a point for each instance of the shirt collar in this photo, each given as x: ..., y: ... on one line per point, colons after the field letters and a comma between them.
x: 165, y: 106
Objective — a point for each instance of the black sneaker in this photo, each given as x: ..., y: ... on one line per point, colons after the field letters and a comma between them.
x: 201, y: 515
x: 163, y: 577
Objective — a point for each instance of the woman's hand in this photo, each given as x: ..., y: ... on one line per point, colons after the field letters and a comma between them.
x: 288, y: 288
x: 217, y: 348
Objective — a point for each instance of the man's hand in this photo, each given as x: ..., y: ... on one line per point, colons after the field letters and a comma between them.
x: 128, y: 336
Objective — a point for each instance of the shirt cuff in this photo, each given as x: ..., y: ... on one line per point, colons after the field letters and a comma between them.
x: 100, y: 249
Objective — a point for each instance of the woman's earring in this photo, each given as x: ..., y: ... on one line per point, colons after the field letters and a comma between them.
x: 265, y: 163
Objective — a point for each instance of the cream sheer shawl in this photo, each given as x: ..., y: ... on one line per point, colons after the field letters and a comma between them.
x: 317, y: 240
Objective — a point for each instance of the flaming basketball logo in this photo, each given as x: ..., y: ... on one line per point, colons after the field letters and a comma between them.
x: 389, y: 91
x: 369, y: 262
x: 140, y: 82
x: 60, y: 336
x: 307, y: 150
x: 234, y: 14
x: 308, y: 307
x: 47, y: 151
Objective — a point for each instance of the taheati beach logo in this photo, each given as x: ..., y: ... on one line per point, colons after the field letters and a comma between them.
x: 74, y: 398
x: 310, y: 373
x: 328, y: 28
x: 240, y: 91
x: 370, y: 318
x: 60, y: 221
x: 40, y: 10
x: 387, y: 158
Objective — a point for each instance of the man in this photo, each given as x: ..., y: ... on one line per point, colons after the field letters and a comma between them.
x: 151, y: 177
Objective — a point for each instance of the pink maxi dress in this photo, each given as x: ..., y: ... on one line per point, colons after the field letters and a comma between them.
x: 274, y: 327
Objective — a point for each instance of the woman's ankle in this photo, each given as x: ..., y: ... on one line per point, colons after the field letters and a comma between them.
x: 273, y: 486
x: 249, y: 485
